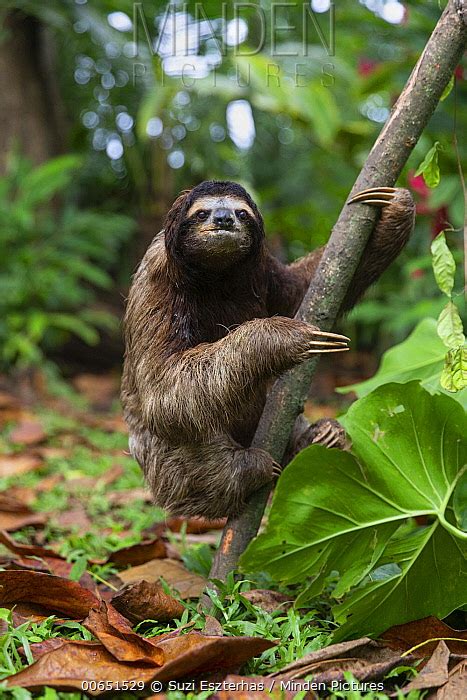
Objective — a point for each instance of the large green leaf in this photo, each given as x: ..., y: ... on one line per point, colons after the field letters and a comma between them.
x: 432, y: 581
x: 420, y: 356
x: 334, y: 511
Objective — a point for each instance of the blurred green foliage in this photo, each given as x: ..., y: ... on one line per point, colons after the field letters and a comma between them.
x: 54, y: 259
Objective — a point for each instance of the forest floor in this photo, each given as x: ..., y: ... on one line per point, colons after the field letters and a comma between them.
x: 99, y: 589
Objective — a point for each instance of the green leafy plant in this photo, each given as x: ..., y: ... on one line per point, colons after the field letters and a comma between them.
x: 421, y: 356
x: 353, y: 513
x: 450, y: 328
x: 22, y: 635
x: 429, y: 167
x: 54, y: 256
x: 296, y: 632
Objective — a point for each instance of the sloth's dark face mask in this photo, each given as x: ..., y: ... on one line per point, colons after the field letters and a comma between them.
x: 218, y: 231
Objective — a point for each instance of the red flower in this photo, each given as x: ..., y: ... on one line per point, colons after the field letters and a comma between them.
x: 439, y: 217
x: 417, y: 183
x: 439, y: 221
x: 366, y: 66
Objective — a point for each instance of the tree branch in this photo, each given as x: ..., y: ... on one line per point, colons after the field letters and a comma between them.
x: 328, y: 287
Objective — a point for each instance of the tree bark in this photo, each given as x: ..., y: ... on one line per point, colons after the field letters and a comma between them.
x: 30, y: 115
x: 349, y: 236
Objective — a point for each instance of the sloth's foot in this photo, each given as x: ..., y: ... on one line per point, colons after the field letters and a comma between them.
x: 376, y: 196
x: 328, y: 432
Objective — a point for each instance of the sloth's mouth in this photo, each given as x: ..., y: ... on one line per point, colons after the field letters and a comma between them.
x: 221, y: 247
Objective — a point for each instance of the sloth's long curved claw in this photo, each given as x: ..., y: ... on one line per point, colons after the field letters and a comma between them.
x: 325, y: 344
x: 276, y: 470
x: 319, y: 351
x: 334, y: 441
x: 323, y: 436
x: 327, y: 334
x: 374, y: 196
x: 330, y: 435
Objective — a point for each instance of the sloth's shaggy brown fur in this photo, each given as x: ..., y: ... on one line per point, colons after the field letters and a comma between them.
x: 203, y: 340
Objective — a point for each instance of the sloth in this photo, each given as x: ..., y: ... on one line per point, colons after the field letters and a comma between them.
x: 208, y: 326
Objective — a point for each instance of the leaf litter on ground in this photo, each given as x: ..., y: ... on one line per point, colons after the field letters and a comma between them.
x: 193, y: 651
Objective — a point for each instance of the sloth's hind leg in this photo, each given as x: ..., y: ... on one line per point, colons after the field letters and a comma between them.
x: 211, y: 480
x: 326, y: 431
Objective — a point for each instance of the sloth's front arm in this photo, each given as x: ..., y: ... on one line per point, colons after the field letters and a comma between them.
x: 391, y: 233
x: 196, y: 393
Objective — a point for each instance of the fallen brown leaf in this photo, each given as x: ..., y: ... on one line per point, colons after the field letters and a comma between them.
x: 99, y: 389
x: 435, y: 673
x: 12, y: 465
x: 111, y: 475
x: 404, y: 637
x: 28, y: 432
x: 53, y: 593
x: 455, y: 688
x: 147, y: 601
x: 15, y: 514
x: 109, y: 424
x: 68, y: 665
x: 267, y: 600
x: 364, y: 658
x: 29, y: 550
x: 188, y: 585
x: 86, y: 483
x: 38, y: 649
x: 120, y: 498
x: 75, y: 518
x: 188, y: 655
x: 23, y: 612
x: 47, y: 452
x: 49, y: 482
x: 7, y: 400
x: 40, y: 558
x: 140, y: 553
x: 194, y: 653
x: 212, y: 627
x: 28, y: 495
x: 25, y: 494
x: 15, y: 521
x: 10, y: 409
x: 12, y: 504
x: 9, y: 415
x: 115, y: 633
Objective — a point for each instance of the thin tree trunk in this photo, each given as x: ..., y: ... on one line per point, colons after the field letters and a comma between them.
x: 30, y: 116
x: 328, y: 287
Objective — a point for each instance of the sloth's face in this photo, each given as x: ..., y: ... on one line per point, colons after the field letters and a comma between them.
x: 219, y: 230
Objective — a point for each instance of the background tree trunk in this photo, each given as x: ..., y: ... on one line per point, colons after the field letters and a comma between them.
x: 31, y: 117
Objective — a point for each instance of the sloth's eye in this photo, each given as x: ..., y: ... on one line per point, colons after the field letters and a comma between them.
x: 202, y: 215
x: 242, y: 215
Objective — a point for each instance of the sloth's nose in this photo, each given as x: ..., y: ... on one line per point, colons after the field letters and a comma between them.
x: 223, y: 217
